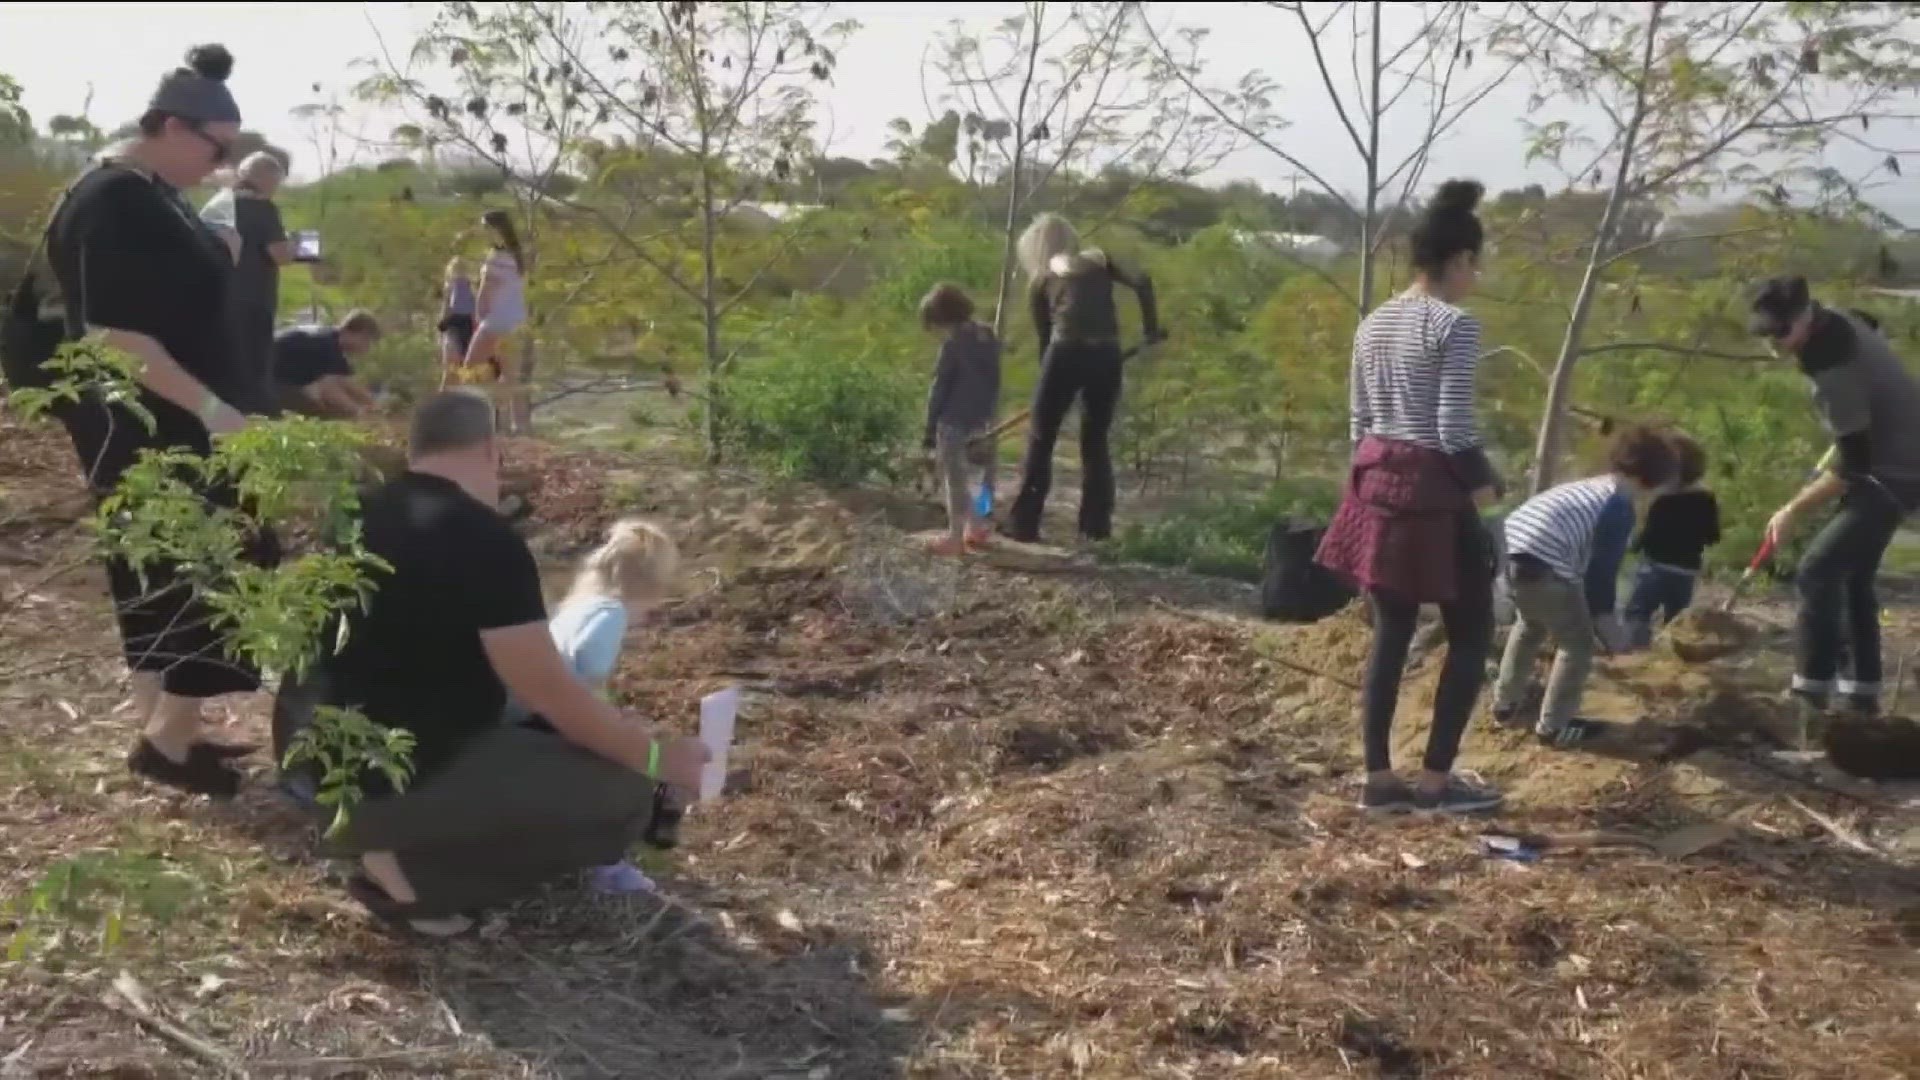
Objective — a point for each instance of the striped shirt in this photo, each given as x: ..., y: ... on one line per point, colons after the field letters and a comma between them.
x: 1567, y: 526
x: 1414, y: 362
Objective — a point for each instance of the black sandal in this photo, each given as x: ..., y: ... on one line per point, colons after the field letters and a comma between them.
x: 205, y: 772
x: 368, y: 894
x: 228, y: 751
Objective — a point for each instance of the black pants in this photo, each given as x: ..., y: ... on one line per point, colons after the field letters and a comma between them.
x: 1469, y: 624
x: 1092, y: 374
x: 1838, y: 603
x: 164, y: 628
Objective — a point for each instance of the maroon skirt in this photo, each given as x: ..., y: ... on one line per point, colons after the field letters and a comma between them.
x: 1401, y: 523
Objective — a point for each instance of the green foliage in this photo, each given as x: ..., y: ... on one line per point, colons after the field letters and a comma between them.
x: 16, y: 127
x: 1225, y: 536
x: 297, y: 476
x: 88, y: 903
x: 344, y: 747
x: 838, y: 407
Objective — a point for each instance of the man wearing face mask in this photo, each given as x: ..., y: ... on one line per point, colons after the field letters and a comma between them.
x: 139, y: 271
x: 1870, y: 405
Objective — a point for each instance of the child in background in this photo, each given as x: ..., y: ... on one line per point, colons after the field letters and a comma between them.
x: 626, y: 576
x: 960, y: 409
x: 1681, y: 525
x: 1564, y: 549
x: 456, y: 321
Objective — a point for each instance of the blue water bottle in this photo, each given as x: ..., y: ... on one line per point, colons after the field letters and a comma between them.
x: 983, y: 503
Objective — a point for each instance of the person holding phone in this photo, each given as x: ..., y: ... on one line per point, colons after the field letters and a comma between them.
x: 138, y: 270
x: 249, y: 221
x: 1408, y: 531
x: 499, y: 309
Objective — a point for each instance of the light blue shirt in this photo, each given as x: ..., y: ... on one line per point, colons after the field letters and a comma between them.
x: 588, y: 634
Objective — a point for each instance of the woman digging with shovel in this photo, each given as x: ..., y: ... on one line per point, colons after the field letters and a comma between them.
x: 1071, y: 292
x: 1870, y: 405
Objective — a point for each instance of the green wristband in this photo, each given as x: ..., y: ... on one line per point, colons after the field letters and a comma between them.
x: 653, y: 758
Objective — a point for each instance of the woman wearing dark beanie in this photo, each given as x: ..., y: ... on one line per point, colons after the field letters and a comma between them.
x: 1408, y: 530
x: 139, y: 271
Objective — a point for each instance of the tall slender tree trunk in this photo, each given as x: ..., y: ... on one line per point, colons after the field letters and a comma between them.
x: 710, y: 311
x: 1553, y: 422
x: 1369, y: 222
x: 1010, y: 228
x: 1009, y: 235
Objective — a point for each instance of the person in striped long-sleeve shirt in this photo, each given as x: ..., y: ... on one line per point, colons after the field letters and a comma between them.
x: 1408, y: 530
x: 1564, y: 550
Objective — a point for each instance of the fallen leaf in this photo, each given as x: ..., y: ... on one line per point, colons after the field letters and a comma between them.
x: 209, y: 984
x: 897, y: 1016
x: 789, y: 921
x: 1412, y: 861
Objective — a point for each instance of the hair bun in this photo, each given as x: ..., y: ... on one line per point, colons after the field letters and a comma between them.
x: 1457, y: 197
x: 210, y: 62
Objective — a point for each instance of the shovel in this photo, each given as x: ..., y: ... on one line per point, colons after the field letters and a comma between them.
x: 1024, y: 415
x: 1760, y: 559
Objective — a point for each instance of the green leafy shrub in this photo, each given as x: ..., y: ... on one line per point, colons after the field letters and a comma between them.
x: 835, y: 396
x: 296, y: 474
x: 1225, y: 536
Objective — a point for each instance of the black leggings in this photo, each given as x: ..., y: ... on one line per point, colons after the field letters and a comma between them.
x: 1091, y: 373
x: 1469, y: 624
x: 164, y: 628
x: 1838, y: 602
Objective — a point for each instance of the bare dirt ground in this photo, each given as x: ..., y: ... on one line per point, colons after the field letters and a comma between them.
x: 1026, y: 818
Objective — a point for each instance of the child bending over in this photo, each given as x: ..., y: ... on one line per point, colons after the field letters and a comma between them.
x: 629, y: 574
x: 960, y: 411
x: 1564, y: 549
x: 1681, y: 525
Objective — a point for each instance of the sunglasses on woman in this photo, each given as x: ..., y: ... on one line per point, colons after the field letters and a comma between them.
x: 222, y: 148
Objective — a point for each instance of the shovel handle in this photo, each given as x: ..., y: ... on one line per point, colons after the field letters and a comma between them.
x: 1761, y: 557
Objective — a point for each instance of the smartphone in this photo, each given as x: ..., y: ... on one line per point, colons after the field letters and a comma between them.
x: 306, y: 245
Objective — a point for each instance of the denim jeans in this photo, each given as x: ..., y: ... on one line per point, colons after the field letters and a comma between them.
x: 1657, y: 590
x: 1839, y: 606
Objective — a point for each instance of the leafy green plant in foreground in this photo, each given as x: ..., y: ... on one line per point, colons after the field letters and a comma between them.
x: 295, y: 475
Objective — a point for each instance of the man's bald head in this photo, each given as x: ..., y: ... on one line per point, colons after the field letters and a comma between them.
x: 260, y: 171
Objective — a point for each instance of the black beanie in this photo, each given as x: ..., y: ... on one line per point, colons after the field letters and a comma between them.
x: 198, y: 91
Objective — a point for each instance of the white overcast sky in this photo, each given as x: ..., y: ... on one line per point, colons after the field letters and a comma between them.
x: 61, y: 52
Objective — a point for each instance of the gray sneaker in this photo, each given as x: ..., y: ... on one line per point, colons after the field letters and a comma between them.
x: 1573, y: 733
x: 1460, y: 796
x: 1387, y: 796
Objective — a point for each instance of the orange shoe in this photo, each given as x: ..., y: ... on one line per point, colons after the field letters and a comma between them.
x: 979, y: 537
x: 947, y: 547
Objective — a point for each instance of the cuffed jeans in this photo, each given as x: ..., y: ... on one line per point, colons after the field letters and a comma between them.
x: 1838, y: 601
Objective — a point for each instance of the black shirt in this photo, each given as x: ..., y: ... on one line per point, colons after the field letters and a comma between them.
x: 413, y: 658
x: 1680, y: 528
x: 303, y: 355
x: 130, y: 254
x: 1073, y: 301
x: 256, y: 276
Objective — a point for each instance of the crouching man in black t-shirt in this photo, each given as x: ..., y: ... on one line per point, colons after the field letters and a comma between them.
x: 494, y: 809
x: 312, y: 370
